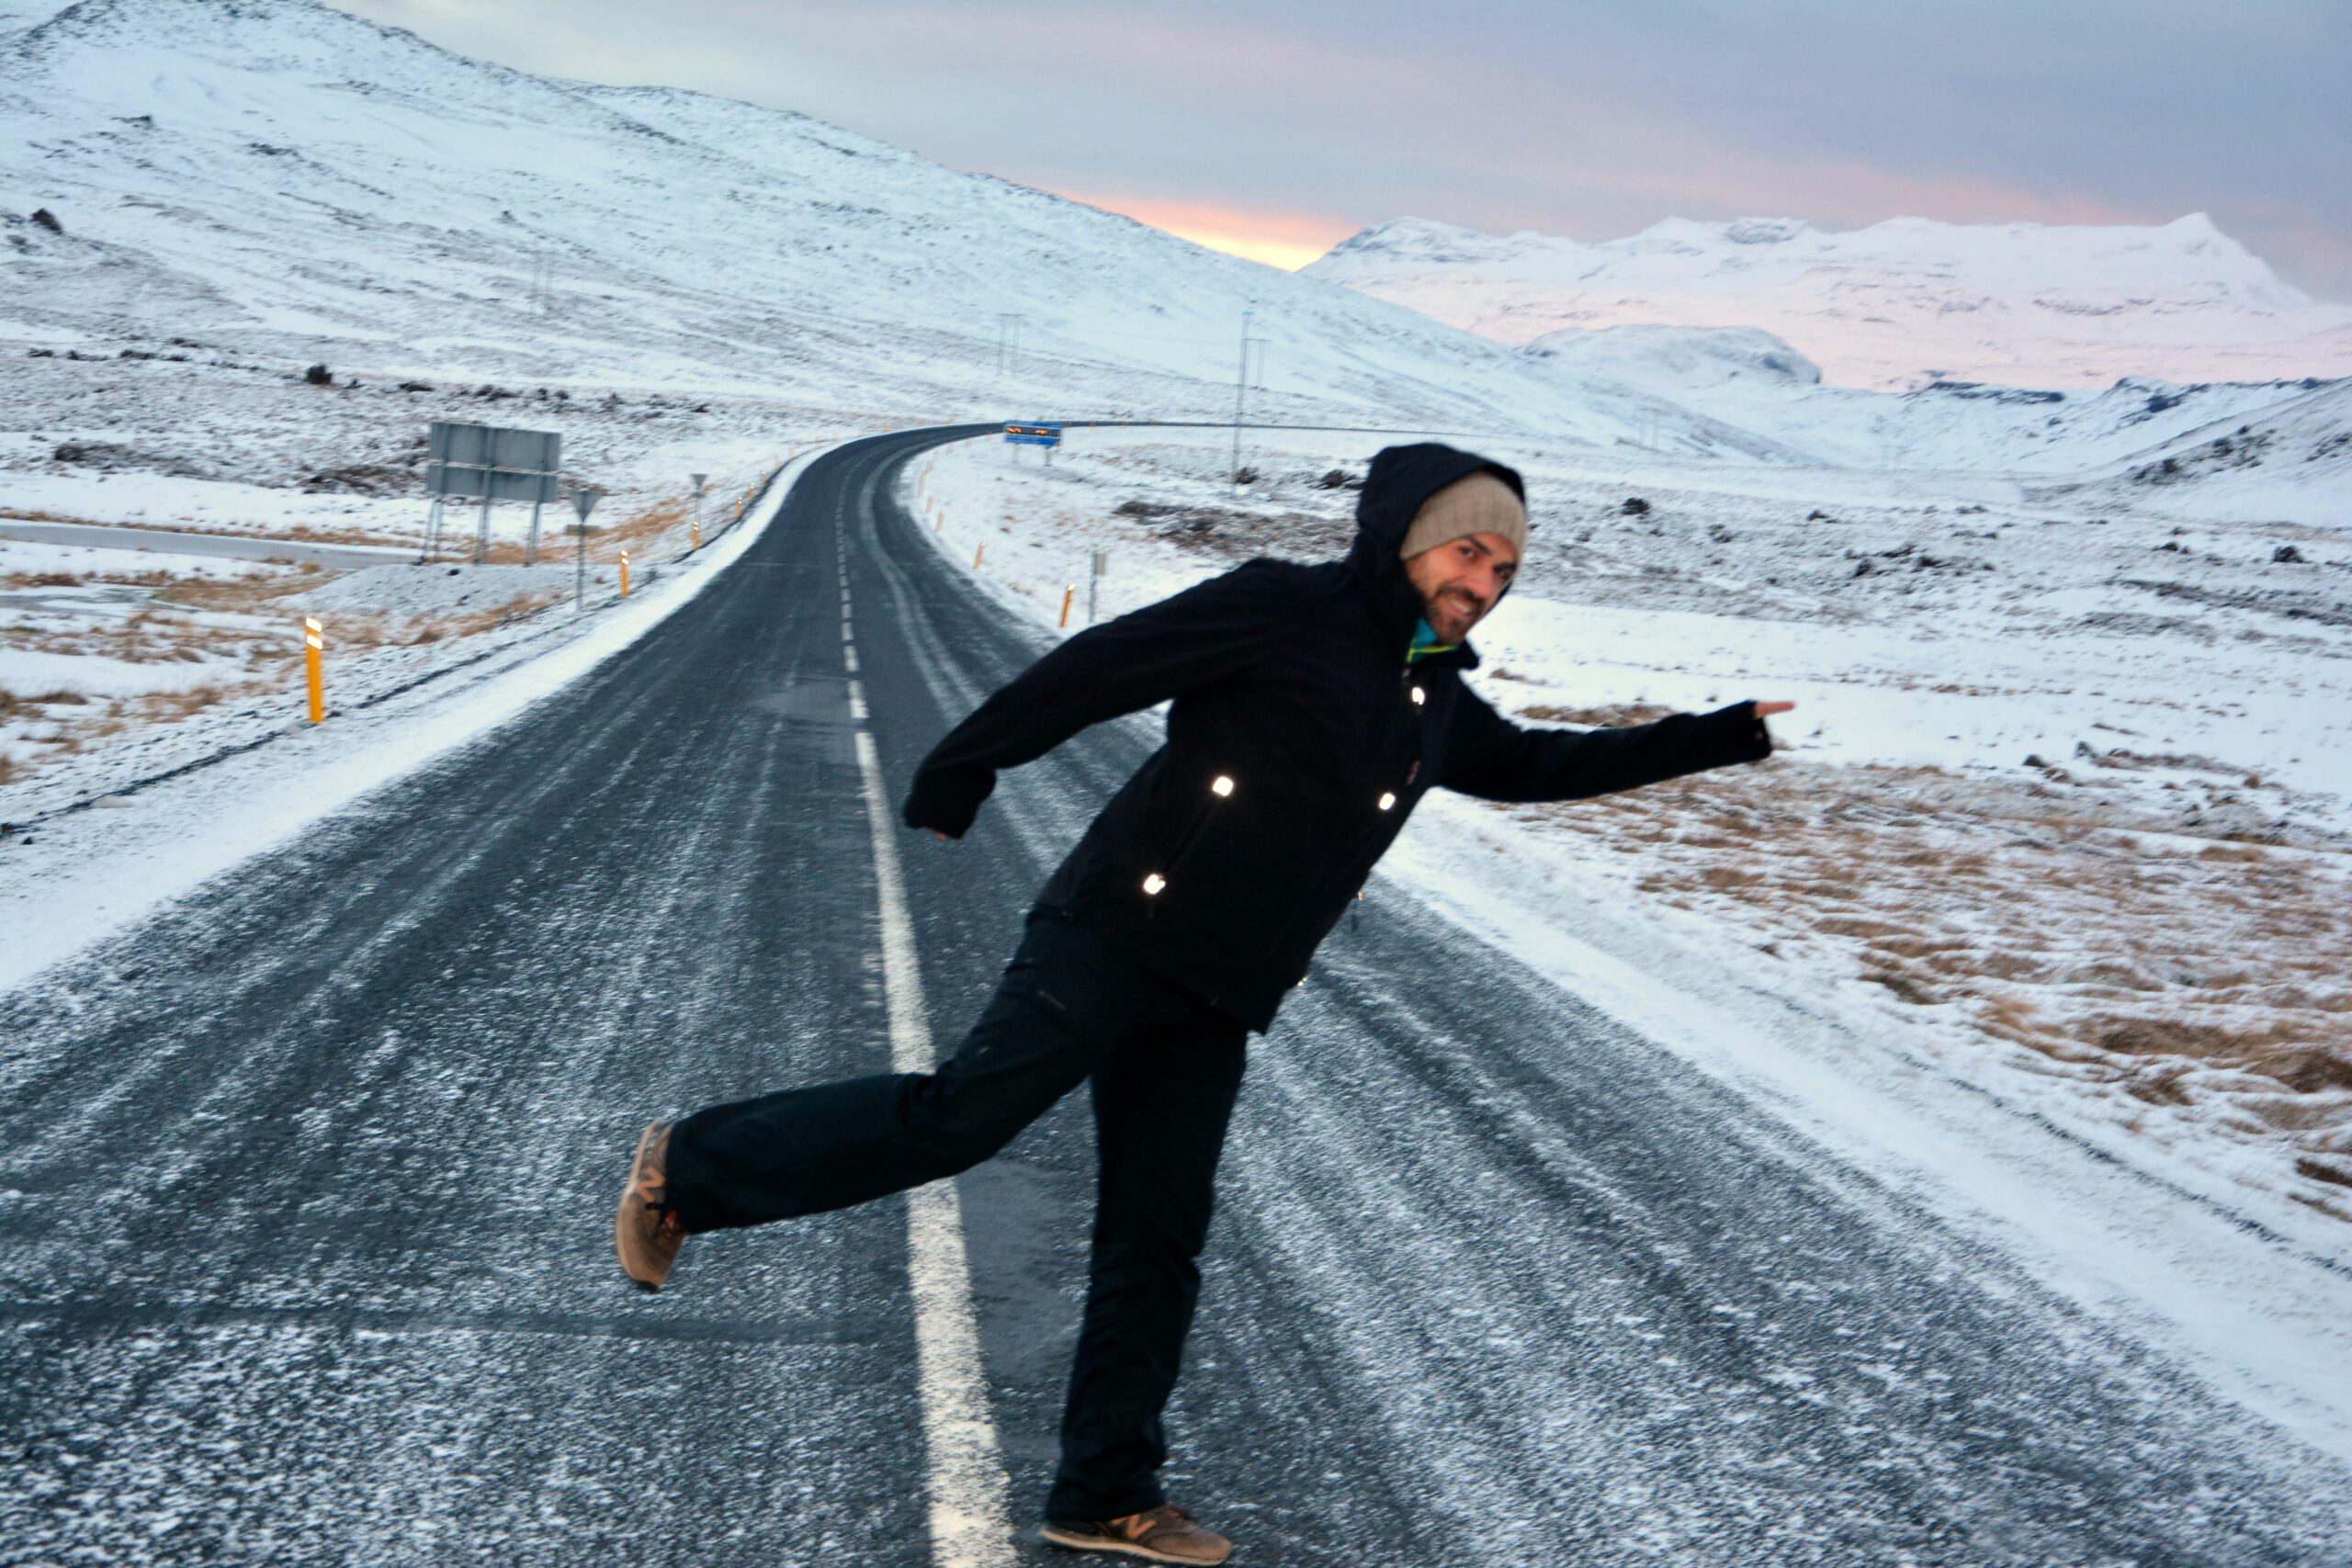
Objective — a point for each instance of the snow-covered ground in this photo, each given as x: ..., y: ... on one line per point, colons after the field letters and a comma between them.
x: 118, y: 663
x: 1890, y: 307
x: 107, y: 854
x: 2062, y: 805
x: 2057, y: 850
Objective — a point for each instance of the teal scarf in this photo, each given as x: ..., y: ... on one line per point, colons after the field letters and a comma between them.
x: 1425, y: 642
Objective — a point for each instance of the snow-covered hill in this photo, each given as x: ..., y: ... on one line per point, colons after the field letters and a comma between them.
x: 281, y: 183
x: 278, y: 179
x: 1890, y: 307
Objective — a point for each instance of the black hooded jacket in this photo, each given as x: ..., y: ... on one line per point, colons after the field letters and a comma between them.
x: 1298, y: 742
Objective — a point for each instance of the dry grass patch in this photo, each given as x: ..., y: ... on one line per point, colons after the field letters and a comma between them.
x: 16, y: 706
x: 171, y: 708
x: 241, y: 595
x: 2184, y: 971
x: 639, y: 528
x: 1607, y: 713
x: 432, y: 629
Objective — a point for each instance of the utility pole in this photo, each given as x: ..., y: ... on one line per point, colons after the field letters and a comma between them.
x: 1241, y: 385
x: 1007, y: 342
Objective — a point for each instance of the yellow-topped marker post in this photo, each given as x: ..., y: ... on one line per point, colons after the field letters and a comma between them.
x: 314, y: 647
x: 624, y: 574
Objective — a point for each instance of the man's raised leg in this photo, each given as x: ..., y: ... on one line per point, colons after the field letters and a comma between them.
x: 1065, y: 1000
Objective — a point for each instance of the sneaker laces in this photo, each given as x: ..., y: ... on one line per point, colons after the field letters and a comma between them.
x: 1158, y: 1514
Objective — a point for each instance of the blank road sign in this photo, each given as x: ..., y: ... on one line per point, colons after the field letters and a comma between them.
x: 469, y: 461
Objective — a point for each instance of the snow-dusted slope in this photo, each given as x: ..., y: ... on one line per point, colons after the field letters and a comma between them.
x: 281, y: 179
x: 2288, y: 462
x: 1674, y: 360
x: 1891, y: 306
x: 2290, y: 459
x: 285, y: 182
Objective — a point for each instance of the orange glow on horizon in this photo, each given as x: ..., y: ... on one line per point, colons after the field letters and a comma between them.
x: 1285, y: 240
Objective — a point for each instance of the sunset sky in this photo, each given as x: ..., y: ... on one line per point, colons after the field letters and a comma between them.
x: 1275, y: 130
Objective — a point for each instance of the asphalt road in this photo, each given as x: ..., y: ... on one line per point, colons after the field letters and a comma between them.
x: 240, y: 547
x: 306, y: 1184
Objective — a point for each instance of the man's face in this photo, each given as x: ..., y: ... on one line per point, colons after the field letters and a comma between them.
x: 1460, y: 581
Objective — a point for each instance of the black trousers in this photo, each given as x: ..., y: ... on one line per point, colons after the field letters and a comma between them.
x: 1070, y: 1009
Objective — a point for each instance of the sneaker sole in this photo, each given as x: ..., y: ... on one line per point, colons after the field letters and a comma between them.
x: 1124, y: 1548
x: 620, y: 1216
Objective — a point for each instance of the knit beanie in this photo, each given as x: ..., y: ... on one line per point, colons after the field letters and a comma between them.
x: 1479, y: 503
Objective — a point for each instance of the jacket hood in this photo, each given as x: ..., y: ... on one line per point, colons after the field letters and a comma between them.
x: 1401, y: 478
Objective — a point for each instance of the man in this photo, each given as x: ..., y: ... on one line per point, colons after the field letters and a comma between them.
x: 1312, y: 707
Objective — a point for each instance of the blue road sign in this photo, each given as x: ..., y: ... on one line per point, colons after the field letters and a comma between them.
x: 1036, y: 433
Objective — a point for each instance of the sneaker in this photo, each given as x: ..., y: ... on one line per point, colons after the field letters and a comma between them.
x: 647, y: 1233
x: 1165, y: 1534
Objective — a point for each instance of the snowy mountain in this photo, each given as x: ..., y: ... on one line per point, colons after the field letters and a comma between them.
x: 1674, y: 360
x: 1891, y: 307
x: 281, y: 182
x: 277, y: 179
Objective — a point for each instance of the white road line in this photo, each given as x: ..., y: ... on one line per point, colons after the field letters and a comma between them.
x: 850, y: 654
x: 845, y: 637
x: 969, y: 1525
x: 857, y: 702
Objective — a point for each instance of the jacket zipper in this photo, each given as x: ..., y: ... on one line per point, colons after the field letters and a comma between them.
x: 1176, y: 851
x: 1412, y: 771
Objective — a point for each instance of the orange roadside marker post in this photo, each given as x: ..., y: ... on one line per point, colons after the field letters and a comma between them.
x: 1068, y: 593
x: 624, y: 574
x: 979, y: 553
x: 313, y: 646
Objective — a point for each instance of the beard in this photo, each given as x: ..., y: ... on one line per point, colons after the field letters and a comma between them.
x: 1452, y: 613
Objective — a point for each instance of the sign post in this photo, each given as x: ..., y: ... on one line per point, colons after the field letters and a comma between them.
x: 698, y: 479
x: 583, y: 502
x: 1099, y: 568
